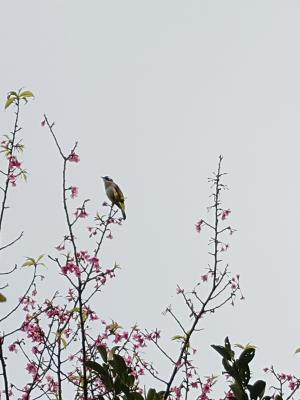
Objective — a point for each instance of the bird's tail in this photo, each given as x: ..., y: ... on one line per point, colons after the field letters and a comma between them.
x: 121, y: 206
x: 123, y: 213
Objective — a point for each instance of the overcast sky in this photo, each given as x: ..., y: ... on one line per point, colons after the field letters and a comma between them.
x: 154, y: 92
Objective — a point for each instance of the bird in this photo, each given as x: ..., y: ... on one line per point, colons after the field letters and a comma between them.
x: 114, y: 193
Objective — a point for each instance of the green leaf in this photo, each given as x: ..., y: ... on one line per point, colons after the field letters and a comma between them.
x: 102, y: 372
x: 39, y: 258
x: 103, y: 353
x: 118, y: 387
x: 9, y: 102
x: 246, y: 346
x: 228, y: 368
x: 26, y: 93
x: 244, y: 374
x: 12, y: 93
x: 30, y: 261
x: 225, y: 353
x: 179, y: 338
x: 246, y: 356
x: 24, y: 175
x: 151, y: 394
x: 257, y: 390
x: 238, y: 391
x: 2, y: 298
x: 227, y: 344
x: 160, y: 395
x: 64, y: 342
x: 119, y: 363
x: 96, y: 367
x: 297, y: 350
x: 136, y: 396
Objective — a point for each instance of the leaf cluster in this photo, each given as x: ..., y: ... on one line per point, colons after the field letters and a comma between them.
x: 238, y: 369
x: 117, y: 377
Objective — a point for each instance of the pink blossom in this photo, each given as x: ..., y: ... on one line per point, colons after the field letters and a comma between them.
x: 25, y: 396
x: 128, y: 360
x: 225, y: 247
x: 13, y: 347
x: 93, y: 231
x: 81, y: 213
x: 139, y: 339
x: 27, y: 302
x: 206, y: 388
x: 177, y: 391
x: 198, y: 225
x: 72, y: 268
x: 118, y: 338
x: 156, y: 334
x: 73, y: 157
x: 93, y: 316
x: 35, y: 350
x: 74, y: 192
x: 95, y: 263
x: 225, y: 214
x: 110, y: 273
x: 52, y: 384
x: 125, y: 335
x: 109, y: 236
x: 204, y: 278
x: 282, y: 376
x: 34, y: 332
x: 43, y: 123
x: 60, y: 247
x: 12, y: 179
x: 293, y: 385
x: 67, y: 332
x: 13, y: 162
x: 32, y: 368
x: 179, y: 290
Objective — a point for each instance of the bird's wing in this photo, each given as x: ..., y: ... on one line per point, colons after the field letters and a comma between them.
x: 120, y: 196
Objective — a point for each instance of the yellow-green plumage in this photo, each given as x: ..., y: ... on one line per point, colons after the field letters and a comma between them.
x: 114, y: 193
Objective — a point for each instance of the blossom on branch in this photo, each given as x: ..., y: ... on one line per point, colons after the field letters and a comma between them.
x: 73, y: 157
x: 13, y: 162
x: 198, y: 225
x: 74, y: 192
x: 225, y: 214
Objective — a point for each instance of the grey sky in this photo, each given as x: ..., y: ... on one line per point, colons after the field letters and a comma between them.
x: 154, y: 92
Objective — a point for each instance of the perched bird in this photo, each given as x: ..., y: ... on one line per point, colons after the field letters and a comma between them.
x: 114, y: 193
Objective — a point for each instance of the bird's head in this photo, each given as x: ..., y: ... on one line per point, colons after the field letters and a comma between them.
x: 106, y: 179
